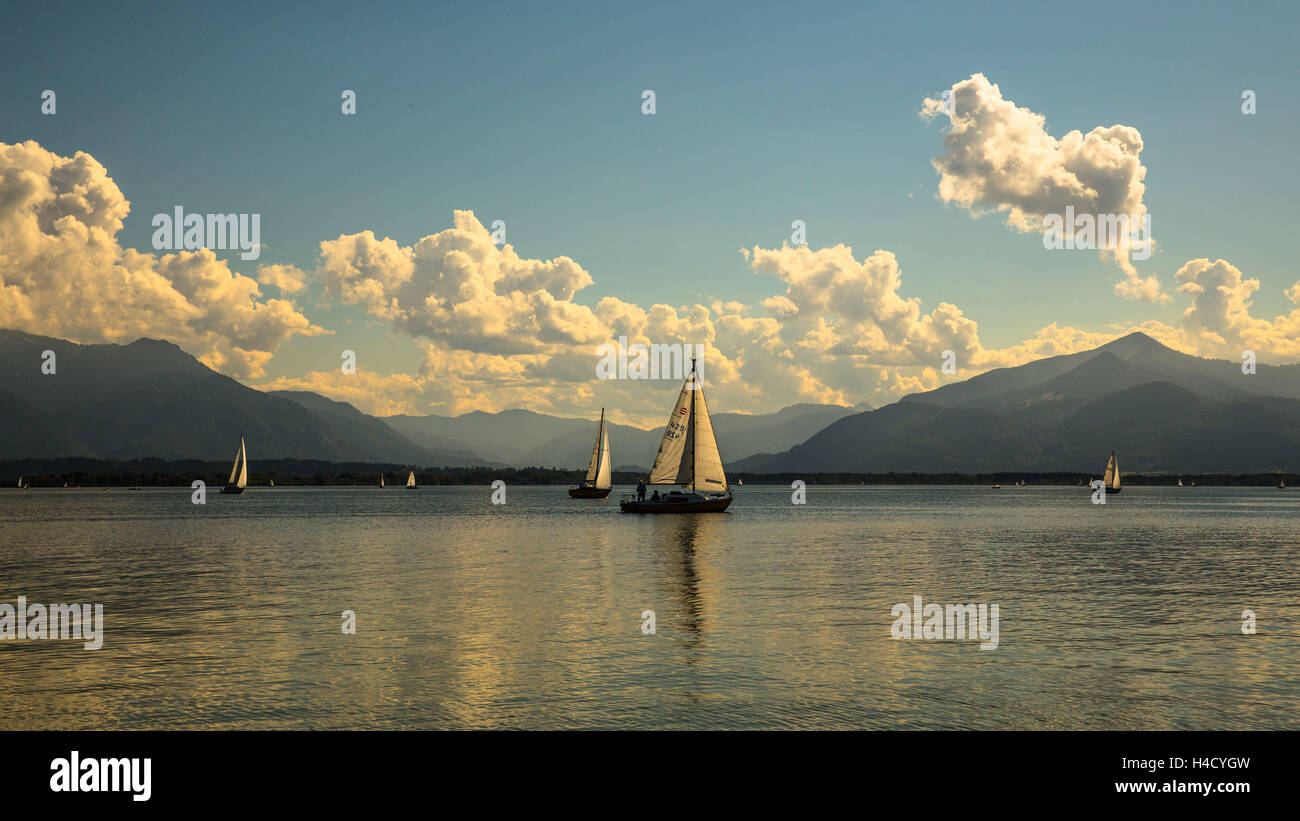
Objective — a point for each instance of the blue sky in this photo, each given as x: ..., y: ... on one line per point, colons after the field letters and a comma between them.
x: 766, y: 113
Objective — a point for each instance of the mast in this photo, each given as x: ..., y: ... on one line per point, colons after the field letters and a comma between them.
x: 695, y: 425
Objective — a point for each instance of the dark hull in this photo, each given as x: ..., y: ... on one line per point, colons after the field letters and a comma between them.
x: 589, y: 492
x: 232, y: 489
x: 685, y: 503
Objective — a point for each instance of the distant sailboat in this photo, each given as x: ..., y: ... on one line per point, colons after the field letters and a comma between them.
x: 740, y: 483
x: 688, y: 457
x: 272, y: 483
x: 381, y: 480
x: 239, y: 472
x: 597, y: 484
x: 21, y: 484
x: 410, y: 481
x: 1281, y: 485
x: 1180, y: 481
x: 1111, y: 477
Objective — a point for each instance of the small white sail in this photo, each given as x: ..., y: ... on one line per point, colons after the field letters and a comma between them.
x: 1111, y: 478
x: 381, y: 480
x: 239, y: 470
x: 20, y: 482
x: 410, y: 480
x: 598, y: 470
x: 1180, y: 482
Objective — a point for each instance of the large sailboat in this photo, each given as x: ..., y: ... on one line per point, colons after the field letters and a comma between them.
x: 688, y: 457
x: 239, y: 472
x: 597, y: 484
x: 1111, y: 477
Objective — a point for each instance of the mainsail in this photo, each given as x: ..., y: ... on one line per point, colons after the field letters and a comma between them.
x: 1112, y: 473
x: 598, y: 470
x: 688, y: 455
x: 239, y: 471
x: 410, y: 480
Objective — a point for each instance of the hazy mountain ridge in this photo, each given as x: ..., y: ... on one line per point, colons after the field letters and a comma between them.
x: 527, y: 438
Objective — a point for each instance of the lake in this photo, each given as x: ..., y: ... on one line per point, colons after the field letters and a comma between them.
x: 1126, y: 615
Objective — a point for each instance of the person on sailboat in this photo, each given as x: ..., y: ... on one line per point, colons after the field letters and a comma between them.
x: 655, y: 496
x: 640, y: 490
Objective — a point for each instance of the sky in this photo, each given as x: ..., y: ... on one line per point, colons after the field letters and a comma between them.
x: 923, y: 225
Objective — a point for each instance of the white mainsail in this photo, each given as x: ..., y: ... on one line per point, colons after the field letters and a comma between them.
x: 381, y: 480
x: 239, y: 471
x: 688, y: 454
x: 1112, y: 473
x: 598, y: 470
x: 410, y: 480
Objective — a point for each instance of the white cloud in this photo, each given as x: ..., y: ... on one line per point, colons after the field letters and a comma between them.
x: 63, y: 273
x: 999, y: 157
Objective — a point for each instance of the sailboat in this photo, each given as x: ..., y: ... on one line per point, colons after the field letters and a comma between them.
x: 381, y: 480
x: 1111, y: 477
x: 597, y: 484
x: 21, y: 486
x: 1281, y: 485
x: 410, y: 481
x: 272, y: 483
x: 1180, y: 481
x: 688, y: 456
x: 239, y: 472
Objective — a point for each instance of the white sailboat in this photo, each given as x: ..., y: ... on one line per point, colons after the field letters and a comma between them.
x: 410, y: 481
x: 1180, y: 481
x: 688, y: 457
x: 1111, y: 477
x: 238, y: 472
x: 598, y: 482
x: 381, y: 480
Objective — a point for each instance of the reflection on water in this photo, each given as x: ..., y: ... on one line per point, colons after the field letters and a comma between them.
x: 772, y: 615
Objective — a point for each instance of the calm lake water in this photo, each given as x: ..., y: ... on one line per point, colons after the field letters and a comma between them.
x: 528, y: 615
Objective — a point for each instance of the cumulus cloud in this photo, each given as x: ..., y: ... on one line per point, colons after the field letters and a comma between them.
x: 999, y: 157
x: 287, y: 278
x: 63, y: 273
x: 1219, y: 321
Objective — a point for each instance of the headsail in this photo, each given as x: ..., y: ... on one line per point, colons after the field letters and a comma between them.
x: 688, y: 454
x: 603, y: 470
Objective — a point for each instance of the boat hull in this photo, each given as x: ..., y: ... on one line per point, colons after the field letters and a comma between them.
x: 589, y: 492
x: 677, y: 503
x: 232, y: 489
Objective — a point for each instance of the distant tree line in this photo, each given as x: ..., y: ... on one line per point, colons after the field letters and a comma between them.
x: 153, y: 472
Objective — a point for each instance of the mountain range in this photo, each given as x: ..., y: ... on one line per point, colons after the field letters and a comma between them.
x: 151, y: 399
x: 1159, y: 409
